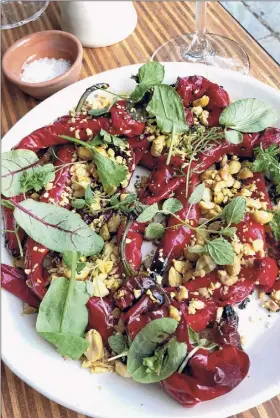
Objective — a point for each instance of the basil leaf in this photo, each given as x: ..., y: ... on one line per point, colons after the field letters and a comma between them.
x: 172, y: 205
x: 14, y: 164
x: 248, y: 115
x: 163, y: 364
x: 148, y: 213
x: 100, y: 112
x: 109, y: 172
x: 235, y: 211
x: 63, y: 316
x: 229, y: 232
x: 149, y: 75
x: 118, y: 343
x: 167, y: 106
x: 56, y: 228
x: 220, y: 251
x: 197, y: 194
x: 154, y: 231
x: 234, y: 137
x: 78, y: 203
x: 147, y: 340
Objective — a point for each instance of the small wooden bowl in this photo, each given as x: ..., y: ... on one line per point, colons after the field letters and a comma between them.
x: 45, y: 44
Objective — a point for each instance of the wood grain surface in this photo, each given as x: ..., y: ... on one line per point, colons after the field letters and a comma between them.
x: 157, y: 23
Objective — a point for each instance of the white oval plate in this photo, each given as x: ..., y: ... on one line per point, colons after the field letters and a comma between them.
x: 108, y: 395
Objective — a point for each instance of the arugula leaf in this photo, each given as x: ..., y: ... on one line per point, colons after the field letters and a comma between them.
x: 248, y: 115
x: 118, y: 343
x: 100, y: 112
x: 37, y: 178
x: 56, y: 228
x: 109, y: 172
x: 275, y: 225
x: 21, y: 164
x: 172, y: 205
x: 154, y: 231
x: 268, y: 161
x: 63, y: 316
x: 234, y: 137
x: 149, y: 75
x: 235, y: 211
x: 167, y: 106
x: 220, y: 251
x: 144, y: 345
x: 148, y: 213
x: 197, y: 194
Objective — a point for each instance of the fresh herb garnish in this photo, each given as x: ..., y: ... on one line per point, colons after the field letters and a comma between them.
x: 63, y: 316
x: 105, y: 138
x: 234, y: 137
x: 169, y: 206
x: 118, y: 344
x: 67, y: 258
x: 149, y: 75
x: 56, y: 228
x: 248, y: 115
x: 198, y: 342
x: 148, y: 361
x: 268, y: 161
x: 154, y: 231
x: 234, y: 211
x: 110, y: 173
x: 197, y: 194
x: 104, y: 110
x: 167, y: 106
x: 21, y: 172
x: 275, y: 225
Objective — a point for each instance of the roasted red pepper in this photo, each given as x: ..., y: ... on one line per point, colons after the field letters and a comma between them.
x: 35, y: 253
x: 14, y: 281
x: 123, y: 123
x: 100, y: 316
x: 133, y: 243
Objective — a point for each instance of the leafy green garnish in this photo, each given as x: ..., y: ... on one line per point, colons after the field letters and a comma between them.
x: 268, y: 161
x: 105, y: 138
x: 100, y: 112
x: 234, y: 137
x: 248, y: 115
x: 110, y: 173
x: 149, y: 75
x: 63, y: 316
x: 21, y: 172
x: 154, y: 231
x: 37, y: 178
x: 220, y: 250
x: 149, y: 362
x: 171, y: 205
x: 167, y: 106
x: 197, y: 194
x: 118, y: 344
x: 234, y: 211
x: 275, y: 225
x: 67, y: 258
x: 148, y: 214
x: 56, y: 228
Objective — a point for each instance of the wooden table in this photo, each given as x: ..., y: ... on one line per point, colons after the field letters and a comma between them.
x: 157, y: 23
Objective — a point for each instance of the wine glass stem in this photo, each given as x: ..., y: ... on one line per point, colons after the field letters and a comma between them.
x: 199, y: 46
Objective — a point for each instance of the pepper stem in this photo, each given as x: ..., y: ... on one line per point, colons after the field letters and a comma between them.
x: 99, y: 86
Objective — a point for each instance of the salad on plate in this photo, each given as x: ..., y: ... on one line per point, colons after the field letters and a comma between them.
x: 77, y: 216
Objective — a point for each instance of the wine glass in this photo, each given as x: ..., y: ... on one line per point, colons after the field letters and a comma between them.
x: 17, y: 13
x: 204, y: 48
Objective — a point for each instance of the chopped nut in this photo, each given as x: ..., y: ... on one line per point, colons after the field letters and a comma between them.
x: 234, y: 167
x: 207, y: 195
x: 104, y: 232
x: 262, y: 217
x: 114, y: 222
x: 182, y: 294
x: 195, y: 305
x: 253, y: 203
x: 158, y: 145
x: 225, y: 279
x: 234, y: 269
x: 219, y: 186
x: 174, y: 313
x: 276, y: 295
x: 245, y: 173
x: 182, y: 266
x: 203, y: 101
x: 206, y: 205
x: 204, y: 118
x: 121, y: 369
x: 85, y: 153
x: 206, y: 263
x: 174, y: 277
x: 95, y: 350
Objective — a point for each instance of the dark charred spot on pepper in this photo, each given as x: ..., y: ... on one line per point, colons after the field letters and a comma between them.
x: 243, y: 304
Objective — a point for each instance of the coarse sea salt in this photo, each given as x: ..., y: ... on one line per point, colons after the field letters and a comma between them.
x: 43, y: 69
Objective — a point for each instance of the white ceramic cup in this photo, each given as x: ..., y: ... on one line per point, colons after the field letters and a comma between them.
x: 98, y: 23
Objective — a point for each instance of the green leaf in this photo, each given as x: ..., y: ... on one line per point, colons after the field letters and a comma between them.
x: 63, y: 316
x: 229, y: 232
x: 118, y: 343
x: 172, y: 205
x: 57, y: 228
x: 80, y: 267
x: 197, y: 194
x: 275, y: 225
x: 107, y: 138
x: 235, y: 211
x: 196, y: 339
x: 144, y: 345
x: 197, y: 250
x: 167, y: 106
x: 268, y: 161
x: 234, y: 137
x: 109, y: 172
x: 220, y: 251
x: 88, y: 195
x: 149, y: 75
x: 248, y: 115
x: 154, y: 231
x: 78, y: 203
x: 14, y: 165
x: 7, y: 204
x: 67, y: 258
x: 37, y: 178
x: 162, y: 364
x: 148, y: 213
x: 193, y: 336
x: 100, y: 112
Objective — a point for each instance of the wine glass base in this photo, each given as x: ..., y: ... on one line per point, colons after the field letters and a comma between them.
x: 221, y: 52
